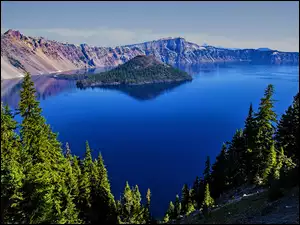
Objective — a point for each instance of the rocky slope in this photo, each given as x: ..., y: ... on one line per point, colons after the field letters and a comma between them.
x: 20, y: 53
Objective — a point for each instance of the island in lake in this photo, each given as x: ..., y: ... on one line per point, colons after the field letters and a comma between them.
x: 137, y: 71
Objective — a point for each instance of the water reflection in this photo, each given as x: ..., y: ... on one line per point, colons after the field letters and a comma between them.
x: 46, y: 86
x: 146, y: 91
x: 51, y: 85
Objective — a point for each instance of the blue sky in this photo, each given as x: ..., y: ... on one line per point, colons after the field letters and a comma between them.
x: 228, y: 24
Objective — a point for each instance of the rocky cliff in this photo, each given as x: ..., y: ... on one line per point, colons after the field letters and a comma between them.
x: 20, y: 53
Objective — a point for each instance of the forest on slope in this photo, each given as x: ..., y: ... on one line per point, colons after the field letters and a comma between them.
x: 42, y: 183
x: 139, y: 70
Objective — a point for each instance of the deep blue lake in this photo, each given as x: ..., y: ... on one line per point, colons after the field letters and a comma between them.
x: 158, y: 136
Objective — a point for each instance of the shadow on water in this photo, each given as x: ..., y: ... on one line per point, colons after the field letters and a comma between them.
x: 144, y: 92
x: 56, y: 83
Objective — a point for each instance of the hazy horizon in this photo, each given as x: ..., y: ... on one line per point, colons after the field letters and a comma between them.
x: 273, y: 25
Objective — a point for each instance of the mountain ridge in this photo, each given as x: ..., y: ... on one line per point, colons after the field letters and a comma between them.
x: 20, y: 53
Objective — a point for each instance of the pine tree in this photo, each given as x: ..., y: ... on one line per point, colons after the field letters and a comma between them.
x: 101, y: 197
x: 170, y: 214
x: 84, y: 200
x: 147, y: 214
x: 195, y: 195
x: 127, y: 204
x: 177, y: 207
x: 208, y: 200
x: 265, y: 119
x: 270, y: 165
x: 185, y: 198
x: 279, y: 164
x: 219, y: 177
x: 249, y: 137
x: 206, y: 173
x: 287, y: 134
x: 11, y: 170
x: 44, y: 165
x: 237, y: 158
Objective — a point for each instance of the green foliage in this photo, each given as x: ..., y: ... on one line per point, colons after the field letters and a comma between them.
x: 12, y: 176
x: 177, y: 207
x: 139, y: 70
x: 270, y: 165
x: 208, y: 200
x: 207, y: 171
x: 219, y: 177
x: 287, y: 134
x: 265, y: 119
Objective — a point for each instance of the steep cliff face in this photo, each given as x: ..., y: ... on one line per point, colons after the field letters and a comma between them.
x: 20, y: 53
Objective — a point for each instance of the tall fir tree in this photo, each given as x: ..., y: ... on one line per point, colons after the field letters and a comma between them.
x: 265, y: 119
x: 44, y: 165
x: 207, y: 171
x: 101, y: 197
x: 219, y: 177
x: 177, y: 207
x: 237, y: 158
x: 208, y: 200
x: 287, y: 133
x: 12, y: 176
x: 249, y: 137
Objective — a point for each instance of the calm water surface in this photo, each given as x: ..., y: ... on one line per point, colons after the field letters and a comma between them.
x: 158, y: 136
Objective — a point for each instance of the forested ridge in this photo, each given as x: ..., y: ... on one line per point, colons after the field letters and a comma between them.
x: 139, y: 70
x: 43, y: 182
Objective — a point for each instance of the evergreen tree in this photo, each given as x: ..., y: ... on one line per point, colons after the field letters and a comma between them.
x: 177, y: 207
x: 170, y: 214
x: 265, y: 119
x: 127, y: 204
x: 45, y: 193
x: 195, y: 194
x: 207, y: 171
x: 270, y: 165
x: 208, y: 200
x: 219, y: 176
x: 287, y: 134
x: 101, y: 196
x: 279, y: 164
x: 11, y: 170
x: 185, y: 198
x: 147, y: 213
x: 237, y: 158
x: 249, y: 137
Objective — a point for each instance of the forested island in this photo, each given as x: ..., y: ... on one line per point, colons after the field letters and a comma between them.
x: 139, y: 70
x: 41, y: 182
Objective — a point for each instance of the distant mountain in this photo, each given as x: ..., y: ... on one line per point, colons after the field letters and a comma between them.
x: 20, y: 53
x: 264, y: 49
x: 140, y: 70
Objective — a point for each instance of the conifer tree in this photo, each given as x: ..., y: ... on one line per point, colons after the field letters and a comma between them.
x: 170, y: 214
x: 208, y: 200
x: 219, y: 174
x: 44, y: 165
x: 11, y: 170
x: 147, y: 213
x: 237, y: 158
x: 207, y: 171
x: 249, y: 137
x: 127, y: 204
x: 185, y: 198
x: 177, y: 207
x: 287, y: 134
x: 195, y: 195
x: 265, y: 119
x: 101, y: 197
x: 270, y: 165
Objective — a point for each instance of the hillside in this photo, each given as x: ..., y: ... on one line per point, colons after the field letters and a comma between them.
x: 42, y: 56
x: 253, y: 208
x: 137, y: 71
